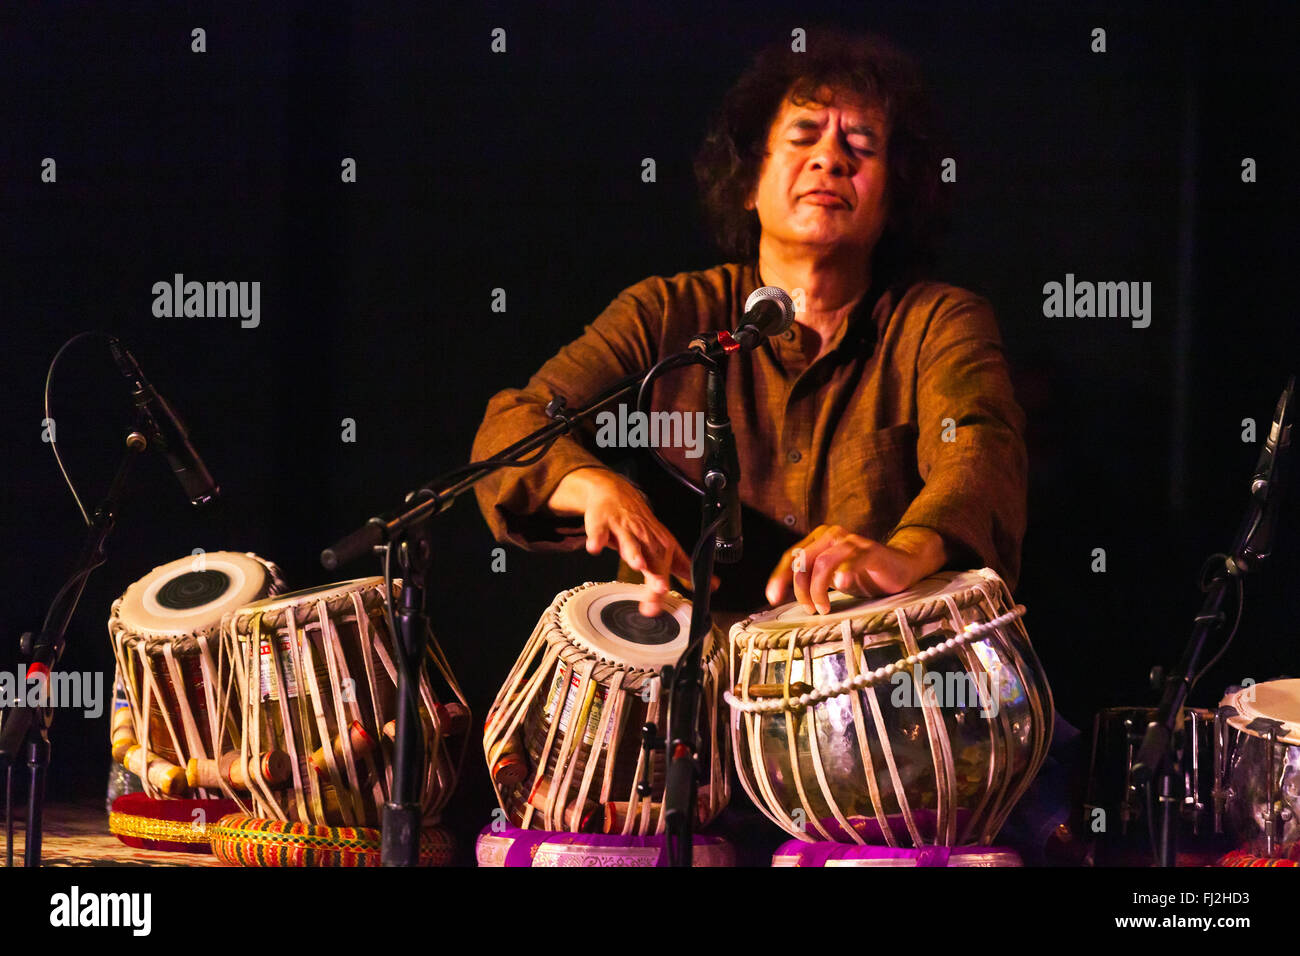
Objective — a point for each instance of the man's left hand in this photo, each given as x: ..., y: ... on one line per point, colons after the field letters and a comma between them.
x: 832, y: 557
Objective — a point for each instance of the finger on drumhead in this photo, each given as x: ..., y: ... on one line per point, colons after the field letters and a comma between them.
x: 652, y: 597
x: 823, y: 571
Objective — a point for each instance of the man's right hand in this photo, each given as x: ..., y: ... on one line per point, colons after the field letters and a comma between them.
x: 617, y: 515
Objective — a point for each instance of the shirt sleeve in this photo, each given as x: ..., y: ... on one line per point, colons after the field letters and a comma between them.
x: 622, y: 340
x: 970, y: 447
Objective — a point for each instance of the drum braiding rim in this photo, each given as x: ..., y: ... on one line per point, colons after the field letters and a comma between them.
x: 305, y: 607
x: 139, y: 632
x: 572, y: 651
x: 884, y: 623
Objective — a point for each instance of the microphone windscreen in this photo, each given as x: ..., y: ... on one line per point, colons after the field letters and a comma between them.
x: 770, y: 310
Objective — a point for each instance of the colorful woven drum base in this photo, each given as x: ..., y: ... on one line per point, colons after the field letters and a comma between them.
x: 826, y: 853
x: 514, y: 847
x: 1290, y: 857
x: 242, y: 840
x: 181, y: 826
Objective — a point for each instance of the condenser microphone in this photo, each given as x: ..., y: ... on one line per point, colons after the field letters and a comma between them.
x: 169, y: 434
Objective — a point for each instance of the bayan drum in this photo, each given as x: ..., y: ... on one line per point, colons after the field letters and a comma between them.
x: 319, y: 677
x: 165, y: 632
x: 917, y: 719
x: 1259, y: 765
x: 563, y: 738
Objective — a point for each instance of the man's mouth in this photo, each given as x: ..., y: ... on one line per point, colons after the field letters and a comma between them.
x: 824, y: 197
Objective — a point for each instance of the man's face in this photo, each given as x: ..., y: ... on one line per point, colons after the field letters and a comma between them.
x: 823, y: 180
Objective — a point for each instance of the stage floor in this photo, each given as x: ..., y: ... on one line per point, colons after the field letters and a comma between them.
x: 77, y: 835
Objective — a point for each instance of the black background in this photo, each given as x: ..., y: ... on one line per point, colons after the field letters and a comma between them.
x: 522, y: 171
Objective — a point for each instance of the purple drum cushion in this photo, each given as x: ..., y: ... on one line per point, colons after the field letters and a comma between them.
x: 514, y: 847
x: 799, y: 853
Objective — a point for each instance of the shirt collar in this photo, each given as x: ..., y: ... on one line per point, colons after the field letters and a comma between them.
x: 862, y: 325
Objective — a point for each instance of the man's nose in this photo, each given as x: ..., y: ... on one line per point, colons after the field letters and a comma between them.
x: 832, y: 156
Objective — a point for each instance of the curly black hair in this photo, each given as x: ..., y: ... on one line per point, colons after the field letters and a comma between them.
x: 866, y: 69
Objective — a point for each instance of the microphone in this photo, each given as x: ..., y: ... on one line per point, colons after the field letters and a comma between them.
x: 168, y: 432
x: 1267, y: 484
x: 768, y: 311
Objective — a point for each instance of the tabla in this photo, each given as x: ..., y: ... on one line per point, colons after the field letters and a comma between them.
x: 563, y: 738
x: 912, y: 720
x: 319, y: 679
x: 1259, y: 763
x: 166, y: 636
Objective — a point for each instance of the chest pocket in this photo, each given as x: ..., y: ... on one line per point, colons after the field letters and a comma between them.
x: 871, y: 479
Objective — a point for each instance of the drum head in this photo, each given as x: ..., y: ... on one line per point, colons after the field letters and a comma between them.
x: 1273, y: 700
x: 846, y: 606
x: 189, y: 596
x: 604, y: 619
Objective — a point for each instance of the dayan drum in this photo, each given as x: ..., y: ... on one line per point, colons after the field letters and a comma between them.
x: 319, y: 677
x: 917, y: 719
x: 166, y: 636
x: 563, y: 738
x: 1259, y: 765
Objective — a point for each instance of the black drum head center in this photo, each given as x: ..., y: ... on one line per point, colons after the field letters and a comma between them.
x: 193, y: 589
x: 624, y: 619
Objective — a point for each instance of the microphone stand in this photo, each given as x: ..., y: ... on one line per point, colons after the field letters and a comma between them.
x: 401, y: 816
x: 1158, y: 755
x: 409, y: 535
x: 25, y: 728
x: 685, y: 682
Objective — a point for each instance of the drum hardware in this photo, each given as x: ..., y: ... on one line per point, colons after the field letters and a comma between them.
x: 1221, y: 716
x: 1251, y: 548
x: 1117, y: 734
x: 1273, y: 815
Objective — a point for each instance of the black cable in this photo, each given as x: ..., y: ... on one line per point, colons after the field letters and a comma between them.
x: 1241, y: 601
x: 54, y: 445
x: 662, y: 367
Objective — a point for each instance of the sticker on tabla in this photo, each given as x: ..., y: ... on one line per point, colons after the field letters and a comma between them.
x: 286, y: 671
x: 592, y: 703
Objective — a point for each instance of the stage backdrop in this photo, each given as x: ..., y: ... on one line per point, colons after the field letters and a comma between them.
x: 424, y: 203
